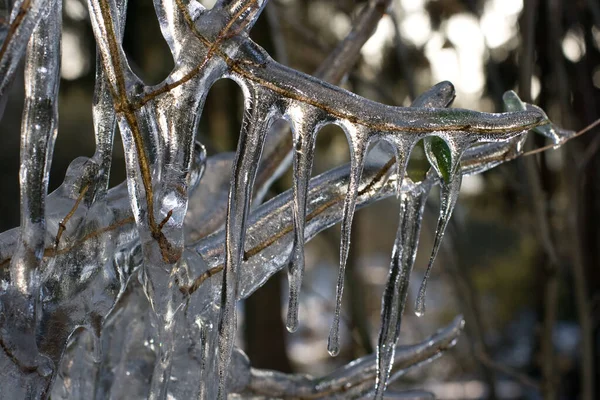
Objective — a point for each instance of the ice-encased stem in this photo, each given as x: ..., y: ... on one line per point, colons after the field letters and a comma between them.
x: 38, y: 133
x: 256, y: 122
x: 20, y: 303
x: 103, y: 112
x: 355, y: 379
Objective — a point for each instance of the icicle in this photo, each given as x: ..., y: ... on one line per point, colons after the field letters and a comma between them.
x: 257, y: 119
x: 103, y: 113
x: 20, y: 303
x: 358, y: 142
x: 304, y: 132
x: 448, y: 195
x: 412, y: 207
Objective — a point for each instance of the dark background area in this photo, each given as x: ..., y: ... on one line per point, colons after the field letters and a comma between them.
x: 532, y: 321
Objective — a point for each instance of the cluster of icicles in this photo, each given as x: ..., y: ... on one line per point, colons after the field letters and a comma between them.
x: 459, y: 129
x: 158, y: 125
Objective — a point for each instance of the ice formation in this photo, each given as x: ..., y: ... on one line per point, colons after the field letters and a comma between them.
x: 158, y: 307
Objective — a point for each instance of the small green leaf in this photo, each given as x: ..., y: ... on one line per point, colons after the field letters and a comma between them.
x: 443, y: 157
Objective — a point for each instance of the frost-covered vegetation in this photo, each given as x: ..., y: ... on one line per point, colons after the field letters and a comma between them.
x: 131, y: 292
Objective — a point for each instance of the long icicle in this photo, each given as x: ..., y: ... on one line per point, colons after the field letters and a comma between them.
x: 254, y: 126
x: 358, y: 143
x: 412, y: 206
x: 448, y: 197
x: 304, y: 132
x: 38, y: 134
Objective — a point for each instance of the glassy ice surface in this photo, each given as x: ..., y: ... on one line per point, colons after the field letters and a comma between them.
x: 131, y: 292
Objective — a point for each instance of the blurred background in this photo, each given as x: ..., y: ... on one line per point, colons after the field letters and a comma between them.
x: 521, y: 258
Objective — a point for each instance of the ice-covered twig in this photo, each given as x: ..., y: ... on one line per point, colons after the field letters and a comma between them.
x: 268, y: 244
x: 24, y: 17
x: 356, y: 378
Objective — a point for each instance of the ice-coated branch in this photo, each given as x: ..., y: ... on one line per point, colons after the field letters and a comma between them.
x: 356, y: 378
x: 276, y: 153
x: 104, y: 116
x: 97, y: 244
x: 172, y: 23
x: 269, y: 237
x: 24, y: 17
x: 106, y: 20
x: 241, y: 14
x: 268, y: 245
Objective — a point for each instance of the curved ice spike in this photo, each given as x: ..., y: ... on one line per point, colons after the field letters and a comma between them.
x: 448, y: 196
x: 358, y: 139
x: 255, y: 124
x: 304, y: 134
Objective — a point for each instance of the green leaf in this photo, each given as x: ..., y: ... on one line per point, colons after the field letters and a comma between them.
x: 443, y: 157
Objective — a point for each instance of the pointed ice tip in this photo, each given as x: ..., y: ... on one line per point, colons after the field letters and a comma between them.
x: 292, y: 322
x: 420, y: 304
x: 333, y: 350
x: 333, y: 343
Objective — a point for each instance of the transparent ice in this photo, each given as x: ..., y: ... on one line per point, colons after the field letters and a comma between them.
x: 131, y: 292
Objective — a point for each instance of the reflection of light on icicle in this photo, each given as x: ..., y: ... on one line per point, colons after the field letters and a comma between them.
x: 258, y: 116
x: 412, y: 206
x: 358, y: 140
x: 394, y: 298
x: 304, y: 130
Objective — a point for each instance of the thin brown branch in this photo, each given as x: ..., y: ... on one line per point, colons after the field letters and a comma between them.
x: 125, y: 107
x: 62, y: 225
x: 553, y: 146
